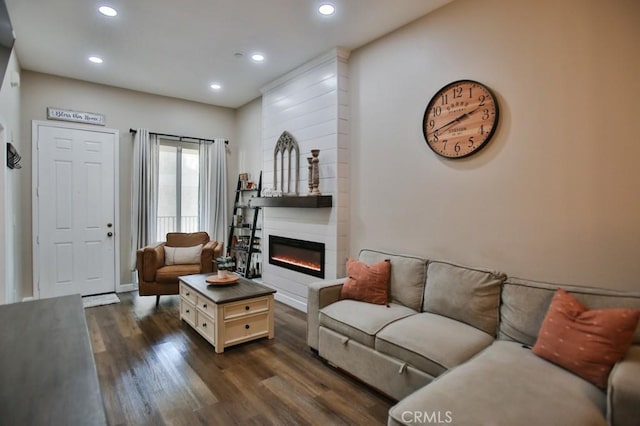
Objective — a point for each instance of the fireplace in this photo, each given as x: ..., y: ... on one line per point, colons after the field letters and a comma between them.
x: 302, y: 256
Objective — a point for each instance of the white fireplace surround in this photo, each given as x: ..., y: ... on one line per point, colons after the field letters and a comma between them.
x: 311, y: 103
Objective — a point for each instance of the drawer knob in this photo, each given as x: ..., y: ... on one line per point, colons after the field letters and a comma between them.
x: 188, y: 294
x: 246, y: 308
x: 204, y: 306
x: 247, y: 326
x: 204, y: 324
x: 187, y: 311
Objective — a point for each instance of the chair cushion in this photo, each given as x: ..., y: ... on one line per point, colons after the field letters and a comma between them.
x: 406, y: 282
x: 464, y: 294
x: 507, y: 384
x: 361, y: 321
x: 170, y: 274
x: 182, y: 255
x: 430, y: 342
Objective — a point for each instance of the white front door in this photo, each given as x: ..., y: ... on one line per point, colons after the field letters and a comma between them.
x: 74, y: 209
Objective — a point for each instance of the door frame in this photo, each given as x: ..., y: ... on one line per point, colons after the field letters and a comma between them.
x: 34, y: 195
x: 9, y: 285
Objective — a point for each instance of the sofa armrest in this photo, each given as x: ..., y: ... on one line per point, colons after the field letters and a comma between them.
x: 210, y: 251
x: 148, y: 260
x: 623, y: 393
x: 321, y: 294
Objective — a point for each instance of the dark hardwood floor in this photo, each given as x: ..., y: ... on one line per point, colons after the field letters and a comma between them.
x: 156, y: 370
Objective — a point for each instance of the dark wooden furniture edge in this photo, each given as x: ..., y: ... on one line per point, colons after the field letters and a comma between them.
x: 243, y: 289
x: 310, y: 201
x: 48, y: 369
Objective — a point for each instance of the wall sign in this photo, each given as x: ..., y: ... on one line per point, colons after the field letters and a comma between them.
x: 76, y: 116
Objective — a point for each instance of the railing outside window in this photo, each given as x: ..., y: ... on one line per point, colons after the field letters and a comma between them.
x: 170, y: 224
x: 178, y: 188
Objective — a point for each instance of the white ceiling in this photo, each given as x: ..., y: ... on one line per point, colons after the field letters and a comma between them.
x: 178, y: 48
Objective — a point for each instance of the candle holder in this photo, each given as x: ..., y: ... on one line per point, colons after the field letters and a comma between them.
x: 315, y: 172
x: 310, y: 178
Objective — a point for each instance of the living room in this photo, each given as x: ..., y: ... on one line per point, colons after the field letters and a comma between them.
x: 547, y: 199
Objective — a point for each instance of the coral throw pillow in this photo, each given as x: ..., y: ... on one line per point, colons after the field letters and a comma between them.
x: 367, y: 283
x: 585, y: 342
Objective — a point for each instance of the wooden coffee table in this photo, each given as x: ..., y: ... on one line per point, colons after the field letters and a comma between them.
x: 226, y: 315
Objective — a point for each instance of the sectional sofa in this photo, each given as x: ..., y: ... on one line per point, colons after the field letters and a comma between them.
x: 453, y: 346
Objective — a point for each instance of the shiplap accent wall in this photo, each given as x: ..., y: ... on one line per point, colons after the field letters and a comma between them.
x: 311, y: 103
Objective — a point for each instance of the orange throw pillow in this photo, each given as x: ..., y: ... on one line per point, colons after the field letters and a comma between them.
x: 367, y: 283
x: 587, y: 343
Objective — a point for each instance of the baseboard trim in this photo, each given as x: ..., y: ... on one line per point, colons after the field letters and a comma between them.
x: 290, y: 301
x: 280, y: 296
x: 123, y: 288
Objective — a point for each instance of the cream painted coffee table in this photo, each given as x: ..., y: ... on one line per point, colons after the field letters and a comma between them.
x: 226, y: 315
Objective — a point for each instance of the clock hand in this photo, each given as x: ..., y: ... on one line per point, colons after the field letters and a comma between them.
x: 448, y: 124
x: 462, y: 117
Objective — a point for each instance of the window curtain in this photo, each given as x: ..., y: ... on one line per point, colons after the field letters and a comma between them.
x: 144, y: 191
x: 213, y: 207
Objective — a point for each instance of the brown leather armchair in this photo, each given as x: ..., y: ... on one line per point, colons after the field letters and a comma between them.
x: 157, y: 278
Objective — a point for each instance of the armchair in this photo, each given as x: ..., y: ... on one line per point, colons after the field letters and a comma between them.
x: 155, y: 277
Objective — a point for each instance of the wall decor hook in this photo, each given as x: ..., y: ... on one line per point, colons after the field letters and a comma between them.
x: 13, y: 158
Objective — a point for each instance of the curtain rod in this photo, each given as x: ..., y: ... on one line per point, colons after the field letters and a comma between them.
x: 181, y: 138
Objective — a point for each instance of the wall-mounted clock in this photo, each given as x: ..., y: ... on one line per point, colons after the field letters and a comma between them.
x: 460, y: 119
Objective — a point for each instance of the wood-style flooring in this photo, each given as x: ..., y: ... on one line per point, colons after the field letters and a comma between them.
x: 156, y: 370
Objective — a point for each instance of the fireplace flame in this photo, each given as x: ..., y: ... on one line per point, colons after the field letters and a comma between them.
x: 301, y: 263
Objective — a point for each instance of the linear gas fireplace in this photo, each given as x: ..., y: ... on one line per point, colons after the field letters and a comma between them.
x: 298, y: 255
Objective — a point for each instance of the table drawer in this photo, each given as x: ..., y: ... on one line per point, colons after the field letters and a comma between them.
x: 188, y: 293
x: 246, y: 307
x: 246, y: 328
x: 206, y: 325
x: 187, y: 311
x: 206, y: 306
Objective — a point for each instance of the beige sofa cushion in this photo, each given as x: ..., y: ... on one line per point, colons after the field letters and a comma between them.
x: 430, y: 342
x: 361, y: 321
x: 507, y: 385
x: 623, y: 392
x: 525, y: 303
x: 407, y: 279
x: 464, y: 294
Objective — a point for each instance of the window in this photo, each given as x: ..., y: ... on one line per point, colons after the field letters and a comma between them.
x: 178, y: 176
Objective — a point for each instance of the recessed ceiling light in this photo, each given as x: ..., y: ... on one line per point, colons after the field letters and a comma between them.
x: 96, y: 59
x: 107, y: 11
x: 216, y: 86
x: 326, y: 9
x: 258, y: 57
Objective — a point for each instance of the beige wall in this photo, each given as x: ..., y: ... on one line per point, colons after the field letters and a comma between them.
x: 124, y: 109
x: 556, y: 194
x: 11, y: 184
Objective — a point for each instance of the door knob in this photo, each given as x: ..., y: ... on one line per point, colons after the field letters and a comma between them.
x: 109, y: 234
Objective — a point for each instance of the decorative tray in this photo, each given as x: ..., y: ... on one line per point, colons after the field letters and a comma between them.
x: 230, y: 279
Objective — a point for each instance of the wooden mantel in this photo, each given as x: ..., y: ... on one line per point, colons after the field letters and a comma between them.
x: 308, y: 201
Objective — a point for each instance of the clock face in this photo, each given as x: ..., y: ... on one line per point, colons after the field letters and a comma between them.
x: 460, y: 119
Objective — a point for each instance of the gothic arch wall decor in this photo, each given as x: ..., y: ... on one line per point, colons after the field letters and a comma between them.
x: 286, y: 144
